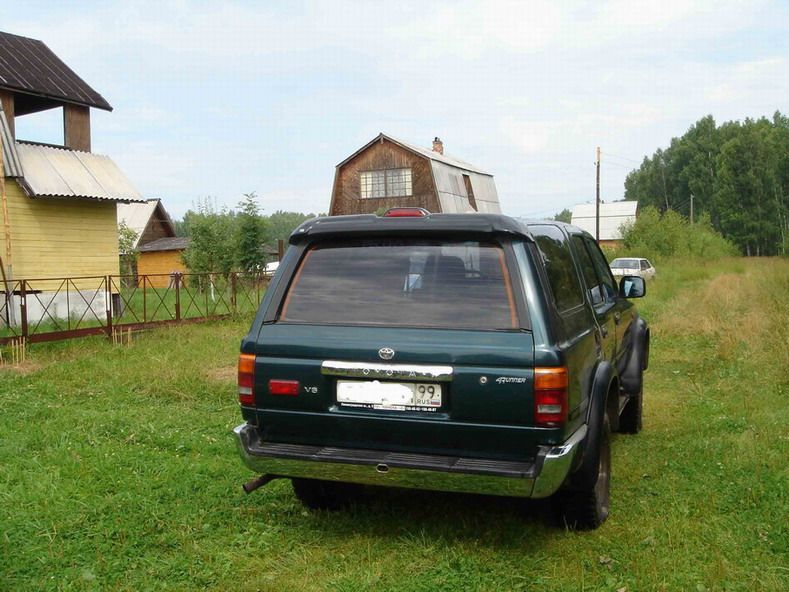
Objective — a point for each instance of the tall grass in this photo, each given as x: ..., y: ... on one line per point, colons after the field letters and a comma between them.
x: 118, y: 472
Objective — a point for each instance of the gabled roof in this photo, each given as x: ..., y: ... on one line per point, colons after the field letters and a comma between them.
x: 29, y: 66
x: 137, y: 216
x: 63, y: 173
x: 426, y: 152
x: 168, y: 243
x: 612, y: 216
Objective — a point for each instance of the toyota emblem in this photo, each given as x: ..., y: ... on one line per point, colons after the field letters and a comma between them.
x: 386, y: 353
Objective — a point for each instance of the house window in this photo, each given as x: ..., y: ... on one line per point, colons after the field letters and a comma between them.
x: 388, y: 183
x: 470, y: 192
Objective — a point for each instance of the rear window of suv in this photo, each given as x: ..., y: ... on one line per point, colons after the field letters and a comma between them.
x: 442, y: 284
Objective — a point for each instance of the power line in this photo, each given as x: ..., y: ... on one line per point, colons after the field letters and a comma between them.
x: 621, y: 157
x: 617, y: 164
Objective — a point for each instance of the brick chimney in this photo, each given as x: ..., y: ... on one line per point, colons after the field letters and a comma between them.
x: 438, y: 145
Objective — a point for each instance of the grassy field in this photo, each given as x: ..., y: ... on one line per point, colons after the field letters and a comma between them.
x: 118, y: 472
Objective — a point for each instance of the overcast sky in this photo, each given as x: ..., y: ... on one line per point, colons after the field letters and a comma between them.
x: 223, y: 98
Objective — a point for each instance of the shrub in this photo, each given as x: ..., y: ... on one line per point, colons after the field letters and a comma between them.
x: 655, y: 235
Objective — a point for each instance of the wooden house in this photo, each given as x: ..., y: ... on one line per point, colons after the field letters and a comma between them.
x: 387, y: 172
x: 162, y: 256
x: 159, y: 249
x: 612, y: 216
x: 148, y: 219
x: 58, y: 201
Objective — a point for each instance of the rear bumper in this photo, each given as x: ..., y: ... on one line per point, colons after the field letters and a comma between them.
x: 539, y: 478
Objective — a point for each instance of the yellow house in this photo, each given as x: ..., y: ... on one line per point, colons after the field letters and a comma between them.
x: 58, y: 202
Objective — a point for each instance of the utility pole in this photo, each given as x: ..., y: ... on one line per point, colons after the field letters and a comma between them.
x: 691, y: 209
x: 597, y: 200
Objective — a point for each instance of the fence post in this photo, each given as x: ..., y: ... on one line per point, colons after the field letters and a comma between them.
x: 108, y: 304
x: 23, y: 307
x: 233, y: 288
x: 177, y: 296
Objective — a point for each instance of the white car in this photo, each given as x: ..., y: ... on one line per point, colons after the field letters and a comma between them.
x: 633, y: 266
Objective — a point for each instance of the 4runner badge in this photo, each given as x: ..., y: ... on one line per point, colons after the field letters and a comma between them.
x: 386, y: 353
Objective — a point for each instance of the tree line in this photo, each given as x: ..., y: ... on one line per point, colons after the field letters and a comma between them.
x: 737, y: 174
x: 240, y: 239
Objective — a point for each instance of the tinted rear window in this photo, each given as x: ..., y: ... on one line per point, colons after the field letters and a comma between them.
x: 422, y: 284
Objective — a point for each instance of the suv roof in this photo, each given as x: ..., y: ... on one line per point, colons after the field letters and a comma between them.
x: 370, y: 224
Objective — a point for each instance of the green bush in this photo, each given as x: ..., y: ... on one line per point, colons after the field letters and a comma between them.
x: 655, y: 236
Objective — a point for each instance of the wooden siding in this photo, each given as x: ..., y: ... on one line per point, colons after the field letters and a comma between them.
x: 156, y: 227
x: 155, y: 262
x: 76, y: 127
x: 60, y: 237
x: 346, y: 197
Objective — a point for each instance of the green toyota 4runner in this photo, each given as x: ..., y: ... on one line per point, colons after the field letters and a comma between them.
x: 455, y: 352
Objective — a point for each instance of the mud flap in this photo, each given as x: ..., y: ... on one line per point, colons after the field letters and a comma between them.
x: 633, y: 376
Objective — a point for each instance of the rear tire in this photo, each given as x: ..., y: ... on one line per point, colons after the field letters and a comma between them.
x: 325, y: 495
x: 584, y: 506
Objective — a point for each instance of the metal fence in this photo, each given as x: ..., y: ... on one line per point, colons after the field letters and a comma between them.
x: 50, y: 309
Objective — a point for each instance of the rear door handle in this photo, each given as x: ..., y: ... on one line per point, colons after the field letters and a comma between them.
x: 617, y: 317
x: 604, y: 331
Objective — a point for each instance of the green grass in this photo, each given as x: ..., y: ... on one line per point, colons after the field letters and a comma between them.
x: 118, y: 472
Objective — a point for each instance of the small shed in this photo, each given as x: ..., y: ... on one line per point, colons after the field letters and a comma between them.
x: 612, y: 216
x: 158, y: 246
x: 387, y: 172
x: 159, y: 257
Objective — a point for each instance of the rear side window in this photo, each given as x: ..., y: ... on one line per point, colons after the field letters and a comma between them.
x: 587, y: 268
x: 401, y: 283
x: 607, y: 282
x: 566, y: 288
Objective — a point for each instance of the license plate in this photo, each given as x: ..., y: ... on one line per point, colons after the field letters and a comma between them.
x: 395, y: 396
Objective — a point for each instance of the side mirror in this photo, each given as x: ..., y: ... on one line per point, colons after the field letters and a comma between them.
x: 632, y: 286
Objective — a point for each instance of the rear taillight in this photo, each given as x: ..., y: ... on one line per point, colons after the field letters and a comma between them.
x: 288, y: 388
x: 550, y: 397
x: 246, y: 379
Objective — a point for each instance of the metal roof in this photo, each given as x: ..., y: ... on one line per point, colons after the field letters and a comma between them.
x: 426, y: 152
x: 59, y: 172
x: 453, y: 194
x: 612, y: 216
x: 168, y: 243
x: 29, y: 66
x: 137, y: 216
x: 12, y: 167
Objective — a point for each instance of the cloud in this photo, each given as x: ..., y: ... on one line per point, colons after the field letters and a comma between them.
x: 227, y: 97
